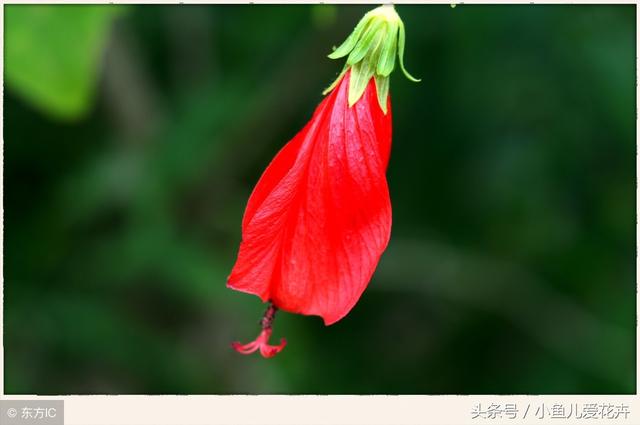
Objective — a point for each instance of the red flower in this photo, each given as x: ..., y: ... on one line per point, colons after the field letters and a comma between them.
x: 320, y: 216
x: 319, y: 219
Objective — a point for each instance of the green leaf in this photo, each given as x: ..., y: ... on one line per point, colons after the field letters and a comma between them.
x: 52, y: 53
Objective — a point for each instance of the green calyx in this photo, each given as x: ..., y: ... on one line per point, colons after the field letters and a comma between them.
x: 371, y: 50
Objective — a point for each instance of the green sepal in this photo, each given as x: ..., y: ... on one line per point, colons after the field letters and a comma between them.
x: 351, y: 41
x: 367, y: 43
x: 388, y: 52
x: 361, y: 73
x: 401, y: 54
x: 372, y: 49
x: 333, y: 85
x: 382, y: 88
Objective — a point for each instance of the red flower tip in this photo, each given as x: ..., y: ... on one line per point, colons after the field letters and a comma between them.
x: 262, y: 341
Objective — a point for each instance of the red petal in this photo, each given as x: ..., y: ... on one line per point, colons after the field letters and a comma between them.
x: 320, y: 216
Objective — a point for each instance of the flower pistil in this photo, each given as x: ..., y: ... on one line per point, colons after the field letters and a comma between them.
x: 262, y: 341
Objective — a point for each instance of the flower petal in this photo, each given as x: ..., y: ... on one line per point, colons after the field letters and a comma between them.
x: 320, y: 216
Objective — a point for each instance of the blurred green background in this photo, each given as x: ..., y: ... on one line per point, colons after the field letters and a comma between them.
x: 134, y: 135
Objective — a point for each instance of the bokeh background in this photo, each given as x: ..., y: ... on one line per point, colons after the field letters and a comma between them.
x: 133, y: 136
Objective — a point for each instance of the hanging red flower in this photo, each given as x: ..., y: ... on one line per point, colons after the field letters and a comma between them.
x: 319, y: 218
